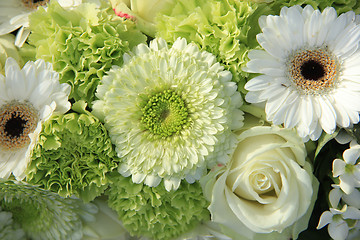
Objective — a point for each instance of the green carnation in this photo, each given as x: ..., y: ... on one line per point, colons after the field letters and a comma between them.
x: 219, y: 27
x: 73, y: 156
x: 42, y: 214
x: 8, y: 229
x: 153, y: 211
x: 82, y: 43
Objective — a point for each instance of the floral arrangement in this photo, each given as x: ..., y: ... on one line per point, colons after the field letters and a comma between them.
x: 179, y: 119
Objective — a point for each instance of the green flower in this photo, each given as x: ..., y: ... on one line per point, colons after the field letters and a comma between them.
x: 43, y: 214
x: 82, y: 43
x: 170, y: 112
x: 153, y: 212
x: 8, y: 229
x: 73, y: 156
x: 219, y: 27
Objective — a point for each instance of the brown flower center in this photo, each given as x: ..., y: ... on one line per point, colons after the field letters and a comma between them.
x: 33, y: 4
x: 314, y: 71
x: 17, y: 121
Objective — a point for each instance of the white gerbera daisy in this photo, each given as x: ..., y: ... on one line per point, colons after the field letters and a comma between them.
x: 310, y: 70
x: 14, y: 14
x: 28, y: 97
x: 170, y: 112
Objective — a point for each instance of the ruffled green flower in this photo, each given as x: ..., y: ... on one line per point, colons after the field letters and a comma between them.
x: 44, y: 215
x: 155, y: 213
x: 219, y: 27
x: 73, y: 156
x: 82, y: 43
x: 8, y: 229
x: 170, y: 112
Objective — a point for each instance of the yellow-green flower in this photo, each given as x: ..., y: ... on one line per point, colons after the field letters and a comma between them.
x: 155, y: 213
x: 42, y: 214
x: 73, y: 156
x: 170, y: 112
x: 82, y: 43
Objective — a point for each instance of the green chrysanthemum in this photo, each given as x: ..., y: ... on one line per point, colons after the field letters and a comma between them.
x: 73, y: 156
x: 153, y: 212
x: 43, y: 214
x: 8, y: 229
x: 82, y: 43
x: 170, y: 112
x: 219, y: 27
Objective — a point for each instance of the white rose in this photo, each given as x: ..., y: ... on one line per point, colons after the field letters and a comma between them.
x: 143, y: 11
x: 267, y: 187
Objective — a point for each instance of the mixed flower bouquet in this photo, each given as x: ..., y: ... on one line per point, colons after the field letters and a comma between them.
x: 179, y: 119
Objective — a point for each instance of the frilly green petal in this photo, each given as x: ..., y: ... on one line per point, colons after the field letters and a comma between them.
x: 73, y: 156
x: 42, y: 214
x: 219, y: 27
x: 82, y: 43
x: 154, y: 212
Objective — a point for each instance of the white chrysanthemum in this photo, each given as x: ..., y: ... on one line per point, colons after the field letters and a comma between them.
x: 170, y: 112
x: 28, y: 97
x: 14, y: 14
x: 42, y: 214
x: 310, y: 70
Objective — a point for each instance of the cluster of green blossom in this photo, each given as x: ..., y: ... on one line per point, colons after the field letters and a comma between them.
x: 40, y: 214
x: 82, y: 44
x: 154, y: 212
x: 73, y: 156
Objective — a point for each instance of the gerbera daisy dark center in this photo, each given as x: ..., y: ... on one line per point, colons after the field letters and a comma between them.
x: 33, y: 4
x: 165, y: 113
x: 17, y: 121
x: 314, y: 71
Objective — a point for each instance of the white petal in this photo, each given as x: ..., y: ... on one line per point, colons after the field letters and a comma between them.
x: 351, y: 155
x: 338, y: 230
x: 325, y: 218
x: 338, y: 167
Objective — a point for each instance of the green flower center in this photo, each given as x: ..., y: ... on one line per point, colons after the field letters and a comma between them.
x: 24, y: 213
x: 165, y: 114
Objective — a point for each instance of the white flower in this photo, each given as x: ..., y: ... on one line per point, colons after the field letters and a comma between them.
x: 348, y: 170
x: 170, y: 112
x: 267, y: 187
x: 309, y: 66
x: 14, y: 14
x: 28, y: 97
x: 338, y: 228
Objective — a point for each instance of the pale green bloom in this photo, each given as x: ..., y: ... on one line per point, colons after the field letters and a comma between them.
x: 170, y: 112
x: 42, y: 214
x: 154, y: 212
x: 220, y: 27
x: 82, y: 43
x: 73, y: 156
x: 8, y: 229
